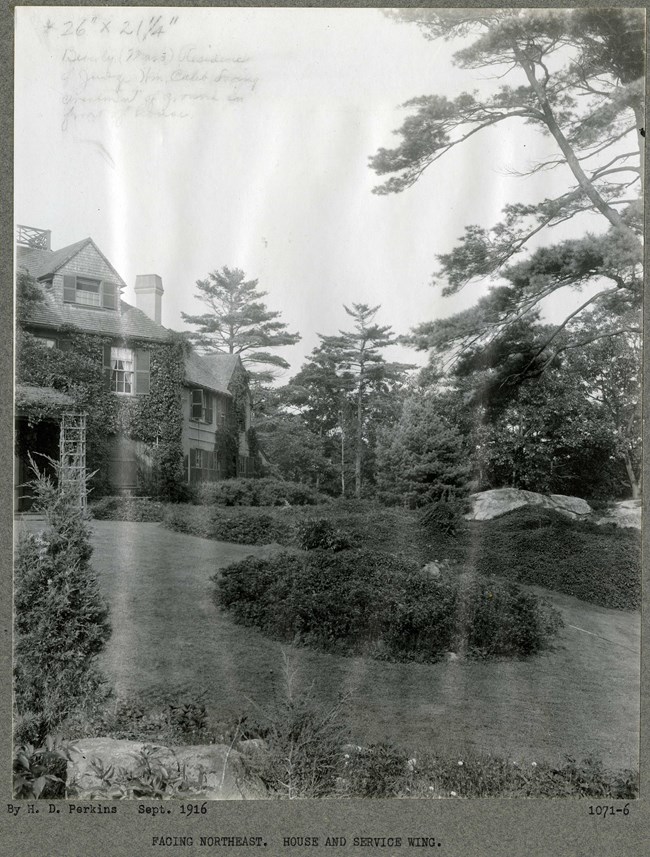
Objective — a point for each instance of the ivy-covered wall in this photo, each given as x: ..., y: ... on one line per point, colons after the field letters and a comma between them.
x: 155, y: 418
x: 237, y: 438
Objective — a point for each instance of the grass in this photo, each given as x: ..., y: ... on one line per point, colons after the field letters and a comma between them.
x: 169, y: 642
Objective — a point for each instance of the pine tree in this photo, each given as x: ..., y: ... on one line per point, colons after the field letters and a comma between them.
x: 239, y: 322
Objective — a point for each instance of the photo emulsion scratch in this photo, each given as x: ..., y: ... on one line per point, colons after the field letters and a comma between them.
x: 327, y: 410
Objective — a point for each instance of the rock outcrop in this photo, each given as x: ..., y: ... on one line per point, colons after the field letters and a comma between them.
x: 498, y: 501
x: 211, y: 772
x: 627, y: 513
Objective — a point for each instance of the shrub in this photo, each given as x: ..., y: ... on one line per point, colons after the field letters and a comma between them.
x: 61, y: 619
x: 444, y: 515
x: 40, y: 772
x: 257, y: 492
x: 600, y: 564
x: 363, y: 601
x: 303, y: 741
x: 320, y: 534
x: 246, y: 527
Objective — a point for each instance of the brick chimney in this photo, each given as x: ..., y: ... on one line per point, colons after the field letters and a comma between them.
x: 148, y: 295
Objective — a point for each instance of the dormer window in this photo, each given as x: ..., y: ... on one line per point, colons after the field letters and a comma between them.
x: 86, y: 291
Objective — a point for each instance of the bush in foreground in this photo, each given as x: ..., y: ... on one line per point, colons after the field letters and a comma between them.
x: 384, y: 771
x: 363, y: 601
x: 61, y: 619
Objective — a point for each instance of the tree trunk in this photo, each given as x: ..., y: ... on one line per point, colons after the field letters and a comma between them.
x: 358, y: 452
x: 635, y: 483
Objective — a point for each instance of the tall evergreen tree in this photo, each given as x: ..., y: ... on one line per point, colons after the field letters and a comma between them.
x: 356, y: 355
x: 239, y: 322
x: 423, y: 457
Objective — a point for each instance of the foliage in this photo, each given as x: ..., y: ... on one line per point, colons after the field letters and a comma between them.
x: 357, y: 361
x: 295, y: 452
x: 236, y: 427
x: 551, y: 438
x: 28, y: 296
x: 238, y: 321
x: 386, y: 771
x: 151, y: 778
x: 600, y: 564
x: 359, y: 522
x: 40, y: 772
x: 302, y: 741
x: 76, y: 368
x: 320, y: 534
x: 444, y: 515
x: 363, y: 601
x: 61, y: 619
x: 582, y: 86
x: 257, y: 492
x: 609, y: 369
x: 249, y: 527
x: 423, y: 458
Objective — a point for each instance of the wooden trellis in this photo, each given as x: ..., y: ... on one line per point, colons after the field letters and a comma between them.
x: 72, y: 454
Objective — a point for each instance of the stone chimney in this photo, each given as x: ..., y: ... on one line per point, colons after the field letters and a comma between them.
x: 148, y: 295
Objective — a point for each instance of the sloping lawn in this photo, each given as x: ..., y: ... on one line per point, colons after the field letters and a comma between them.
x: 169, y: 640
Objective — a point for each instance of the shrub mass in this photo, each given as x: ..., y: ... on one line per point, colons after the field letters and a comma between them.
x: 257, y: 492
x: 61, y: 619
x: 367, y: 602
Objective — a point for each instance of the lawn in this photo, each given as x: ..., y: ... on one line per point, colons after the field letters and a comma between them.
x: 170, y: 641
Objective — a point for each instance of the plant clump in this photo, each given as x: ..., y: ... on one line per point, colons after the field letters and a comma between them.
x: 257, y: 492
x: 62, y: 621
x: 366, y: 602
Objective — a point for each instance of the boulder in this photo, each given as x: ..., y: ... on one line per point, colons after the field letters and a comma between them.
x: 98, y: 766
x: 498, y: 501
x: 627, y: 513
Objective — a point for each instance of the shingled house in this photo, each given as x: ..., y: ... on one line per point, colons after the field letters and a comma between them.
x: 81, y: 293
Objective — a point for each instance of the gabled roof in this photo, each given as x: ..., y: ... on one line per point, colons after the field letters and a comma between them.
x: 130, y: 323
x: 42, y: 264
x: 211, y: 371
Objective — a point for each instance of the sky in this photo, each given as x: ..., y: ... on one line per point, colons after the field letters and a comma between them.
x: 185, y: 140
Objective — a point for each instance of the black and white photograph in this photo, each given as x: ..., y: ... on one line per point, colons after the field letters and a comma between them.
x: 327, y: 475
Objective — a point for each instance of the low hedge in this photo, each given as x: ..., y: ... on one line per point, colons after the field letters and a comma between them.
x: 366, y: 602
x: 257, y: 492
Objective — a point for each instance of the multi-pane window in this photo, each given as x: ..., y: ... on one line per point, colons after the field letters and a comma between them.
x: 204, y: 466
x: 127, y: 370
x: 202, y: 406
x: 122, y: 370
x: 88, y: 291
